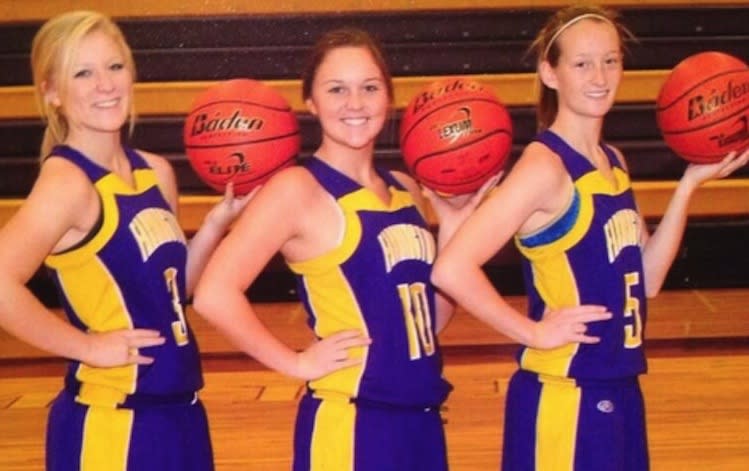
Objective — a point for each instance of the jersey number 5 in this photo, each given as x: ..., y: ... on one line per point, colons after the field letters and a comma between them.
x: 632, y: 332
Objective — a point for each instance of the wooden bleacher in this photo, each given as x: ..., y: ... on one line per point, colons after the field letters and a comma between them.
x: 183, y: 47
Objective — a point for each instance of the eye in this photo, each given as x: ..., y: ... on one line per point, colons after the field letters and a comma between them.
x: 117, y: 66
x: 83, y: 73
x: 336, y: 90
x: 613, y: 60
x: 372, y: 88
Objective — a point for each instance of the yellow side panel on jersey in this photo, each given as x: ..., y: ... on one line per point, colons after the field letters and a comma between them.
x: 334, y: 425
x: 330, y: 293
x: 106, y: 439
x: 89, y: 290
x: 557, y: 286
x: 94, y: 295
x: 557, y: 424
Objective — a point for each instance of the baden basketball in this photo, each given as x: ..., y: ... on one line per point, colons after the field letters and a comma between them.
x: 240, y: 131
x: 455, y: 134
x: 702, y: 109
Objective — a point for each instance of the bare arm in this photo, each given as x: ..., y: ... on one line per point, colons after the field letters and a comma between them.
x: 533, y: 193
x: 214, y: 226
x: 273, y: 219
x: 28, y: 237
x: 451, y: 213
x: 660, y: 248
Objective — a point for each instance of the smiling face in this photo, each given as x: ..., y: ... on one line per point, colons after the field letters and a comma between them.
x: 349, y: 96
x: 95, y: 91
x: 589, y: 70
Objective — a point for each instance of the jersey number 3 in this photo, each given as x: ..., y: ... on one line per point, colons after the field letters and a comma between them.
x: 179, y: 327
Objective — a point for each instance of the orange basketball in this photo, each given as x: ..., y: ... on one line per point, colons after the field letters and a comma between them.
x: 240, y: 131
x: 702, y: 109
x: 454, y: 135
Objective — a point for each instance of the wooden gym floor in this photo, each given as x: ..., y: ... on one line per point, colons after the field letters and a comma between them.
x: 696, y: 390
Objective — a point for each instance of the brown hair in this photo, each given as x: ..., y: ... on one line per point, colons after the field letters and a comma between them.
x: 344, y: 37
x: 546, y: 48
x: 52, y: 53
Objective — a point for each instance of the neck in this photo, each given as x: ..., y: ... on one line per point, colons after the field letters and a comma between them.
x: 355, y: 163
x: 99, y: 147
x: 582, y: 134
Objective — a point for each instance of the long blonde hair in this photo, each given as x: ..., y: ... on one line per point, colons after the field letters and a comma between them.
x: 52, y: 54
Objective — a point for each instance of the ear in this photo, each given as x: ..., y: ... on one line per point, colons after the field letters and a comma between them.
x: 50, y: 94
x: 311, y: 106
x: 547, y: 75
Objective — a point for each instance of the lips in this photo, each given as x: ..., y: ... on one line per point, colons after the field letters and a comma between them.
x: 598, y: 94
x: 107, y: 103
x: 355, y: 121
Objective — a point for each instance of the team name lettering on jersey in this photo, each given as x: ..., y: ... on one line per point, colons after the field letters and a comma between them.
x: 406, y: 242
x: 154, y: 227
x: 622, y: 230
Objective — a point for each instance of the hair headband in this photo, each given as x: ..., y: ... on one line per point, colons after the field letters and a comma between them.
x: 571, y: 22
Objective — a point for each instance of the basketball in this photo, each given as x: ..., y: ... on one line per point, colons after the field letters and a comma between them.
x: 240, y: 131
x: 702, y: 109
x: 455, y: 134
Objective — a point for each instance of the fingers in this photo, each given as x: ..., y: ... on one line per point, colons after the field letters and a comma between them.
x: 570, y: 325
x: 229, y: 191
x: 135, y: 358
x: 587, y: 339
x: 733, y: 161
x: 579, y: 336
x: 331, y: 354
x: 251, y: 194
x: 142, y: 338
x: 139, y: 338
x: 343, y: 342
x: 579, y: 319
x: 585, y: 313
x: 490, y: 183
x: 349, y: 338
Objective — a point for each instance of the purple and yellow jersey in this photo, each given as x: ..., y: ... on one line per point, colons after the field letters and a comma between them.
x: 128, y: 273
x: 590, y: 254
x: 377, y: 281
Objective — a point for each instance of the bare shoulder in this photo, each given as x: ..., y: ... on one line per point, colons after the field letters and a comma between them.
x: 165, y: 174
x: 414, y: 188
x: 407, y: 181
x: 295, y: 180
x: 300, y: 218
x: 61, y: 180
x: 62, y: 189
x: 619, y: 156
x: 293, y: 188
x: 157, y: 162
x: 539, y: 165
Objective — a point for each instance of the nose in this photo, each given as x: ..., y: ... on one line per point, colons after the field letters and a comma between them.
x: 355, y: 100
x: 104, y: 81
x: 599, y: 74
